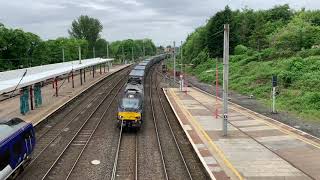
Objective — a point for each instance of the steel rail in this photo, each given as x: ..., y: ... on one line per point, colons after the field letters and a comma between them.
x: 136, y: 167
x: 94, y: 130
x: 80, y: 103
x: 170, y: 127
x: 156, y: 129
x: 61, y: 130
x: 86, y: 121
x: 115, y: 164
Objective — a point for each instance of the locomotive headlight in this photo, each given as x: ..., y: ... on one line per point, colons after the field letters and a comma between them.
x: 138, y: 117
x: 120, y: 117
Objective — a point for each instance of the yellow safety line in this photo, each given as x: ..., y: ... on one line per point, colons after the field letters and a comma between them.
x: 212, y: 144
x: 292, y: 134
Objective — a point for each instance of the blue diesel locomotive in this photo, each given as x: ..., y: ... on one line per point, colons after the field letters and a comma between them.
x: 130, y: 109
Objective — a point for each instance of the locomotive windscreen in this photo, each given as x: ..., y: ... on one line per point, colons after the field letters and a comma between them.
x: 130, y: 103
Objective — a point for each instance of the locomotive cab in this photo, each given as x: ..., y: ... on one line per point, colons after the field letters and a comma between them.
x: 130, y: 110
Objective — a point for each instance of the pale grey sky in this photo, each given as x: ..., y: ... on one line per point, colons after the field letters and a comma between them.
x: 161, y: 20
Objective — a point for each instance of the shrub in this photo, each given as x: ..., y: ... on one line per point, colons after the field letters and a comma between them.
x: 240, y: 49
x: 268, y: 53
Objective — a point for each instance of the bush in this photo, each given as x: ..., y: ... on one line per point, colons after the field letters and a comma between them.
x: 309, y: 52
x: 201, y: 58
x: 240, y: 49
x: 268, y: 53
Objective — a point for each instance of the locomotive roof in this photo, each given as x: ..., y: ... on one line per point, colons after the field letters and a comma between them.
x: 135, y: 72
x: 8, y: 128
x: 139, y: 67
x: 134, y: 87
x: 143, y: 63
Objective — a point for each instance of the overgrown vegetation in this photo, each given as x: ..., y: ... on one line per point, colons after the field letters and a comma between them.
x: 19, y: 49
x: 278, y: 41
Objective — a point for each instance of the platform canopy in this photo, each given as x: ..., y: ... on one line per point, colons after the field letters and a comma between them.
x: 10, y: 79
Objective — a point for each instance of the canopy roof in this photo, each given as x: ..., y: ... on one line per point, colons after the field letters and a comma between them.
x: 10, y: 79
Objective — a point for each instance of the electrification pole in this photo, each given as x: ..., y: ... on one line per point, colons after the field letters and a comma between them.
x: 174, y: 62
x: 132, y: 54
x: 62, y: 54
x: 80, y: 55
x: 181, y: 57
x: 225, y: 78
x: 94, y: 52
x: 144, y: 49
x: 122, y: 54
x: 107, y: 50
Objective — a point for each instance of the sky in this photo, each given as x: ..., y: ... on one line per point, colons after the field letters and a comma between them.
x: 163, y: 21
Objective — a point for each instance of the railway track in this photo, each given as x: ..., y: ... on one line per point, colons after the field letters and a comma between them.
x: 74, y: 136
x: 157, y: 151
x: 173, y: 159
x: 79, y: 142
x: 195, y: 166
x: 125, y: 165
x: 75, y: 108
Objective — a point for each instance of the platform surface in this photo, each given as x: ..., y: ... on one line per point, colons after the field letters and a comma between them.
x: 256, y: 146
x: 10, y: 108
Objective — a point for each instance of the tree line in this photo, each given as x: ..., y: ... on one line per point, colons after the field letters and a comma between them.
x: 276, y: 32
x: 278, y: 41
x: 20, y: 49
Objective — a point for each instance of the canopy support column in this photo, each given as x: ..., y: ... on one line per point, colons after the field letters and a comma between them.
x: 81, y: 77
x: 93, y: 70
x: 31, y: 97
x: 84, y: 74
x: 37, y: 95
x: 56, y: 83
x: 72, y: 78
x: 24, y: 102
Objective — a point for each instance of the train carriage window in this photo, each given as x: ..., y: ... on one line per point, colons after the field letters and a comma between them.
x: 4, y: 159
x: 17, y: 148
x: 28, y: 134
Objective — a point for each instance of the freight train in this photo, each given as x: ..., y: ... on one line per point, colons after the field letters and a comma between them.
x: 130, y: 109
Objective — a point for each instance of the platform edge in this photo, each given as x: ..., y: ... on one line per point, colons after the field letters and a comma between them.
x: 189, y: 138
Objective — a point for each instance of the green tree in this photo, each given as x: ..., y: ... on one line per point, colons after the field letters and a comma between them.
x: 87, y: 28
x: 101, y: 48
x: 195, y: 43
x: 296, y: 35
x: 215, y: 34
x: 281, y: 13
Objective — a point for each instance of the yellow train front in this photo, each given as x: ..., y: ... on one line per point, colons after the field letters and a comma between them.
x: 130, y: 110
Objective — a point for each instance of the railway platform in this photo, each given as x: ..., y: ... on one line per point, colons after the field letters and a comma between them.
x: 256, y: 147
x: 10, y: 108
